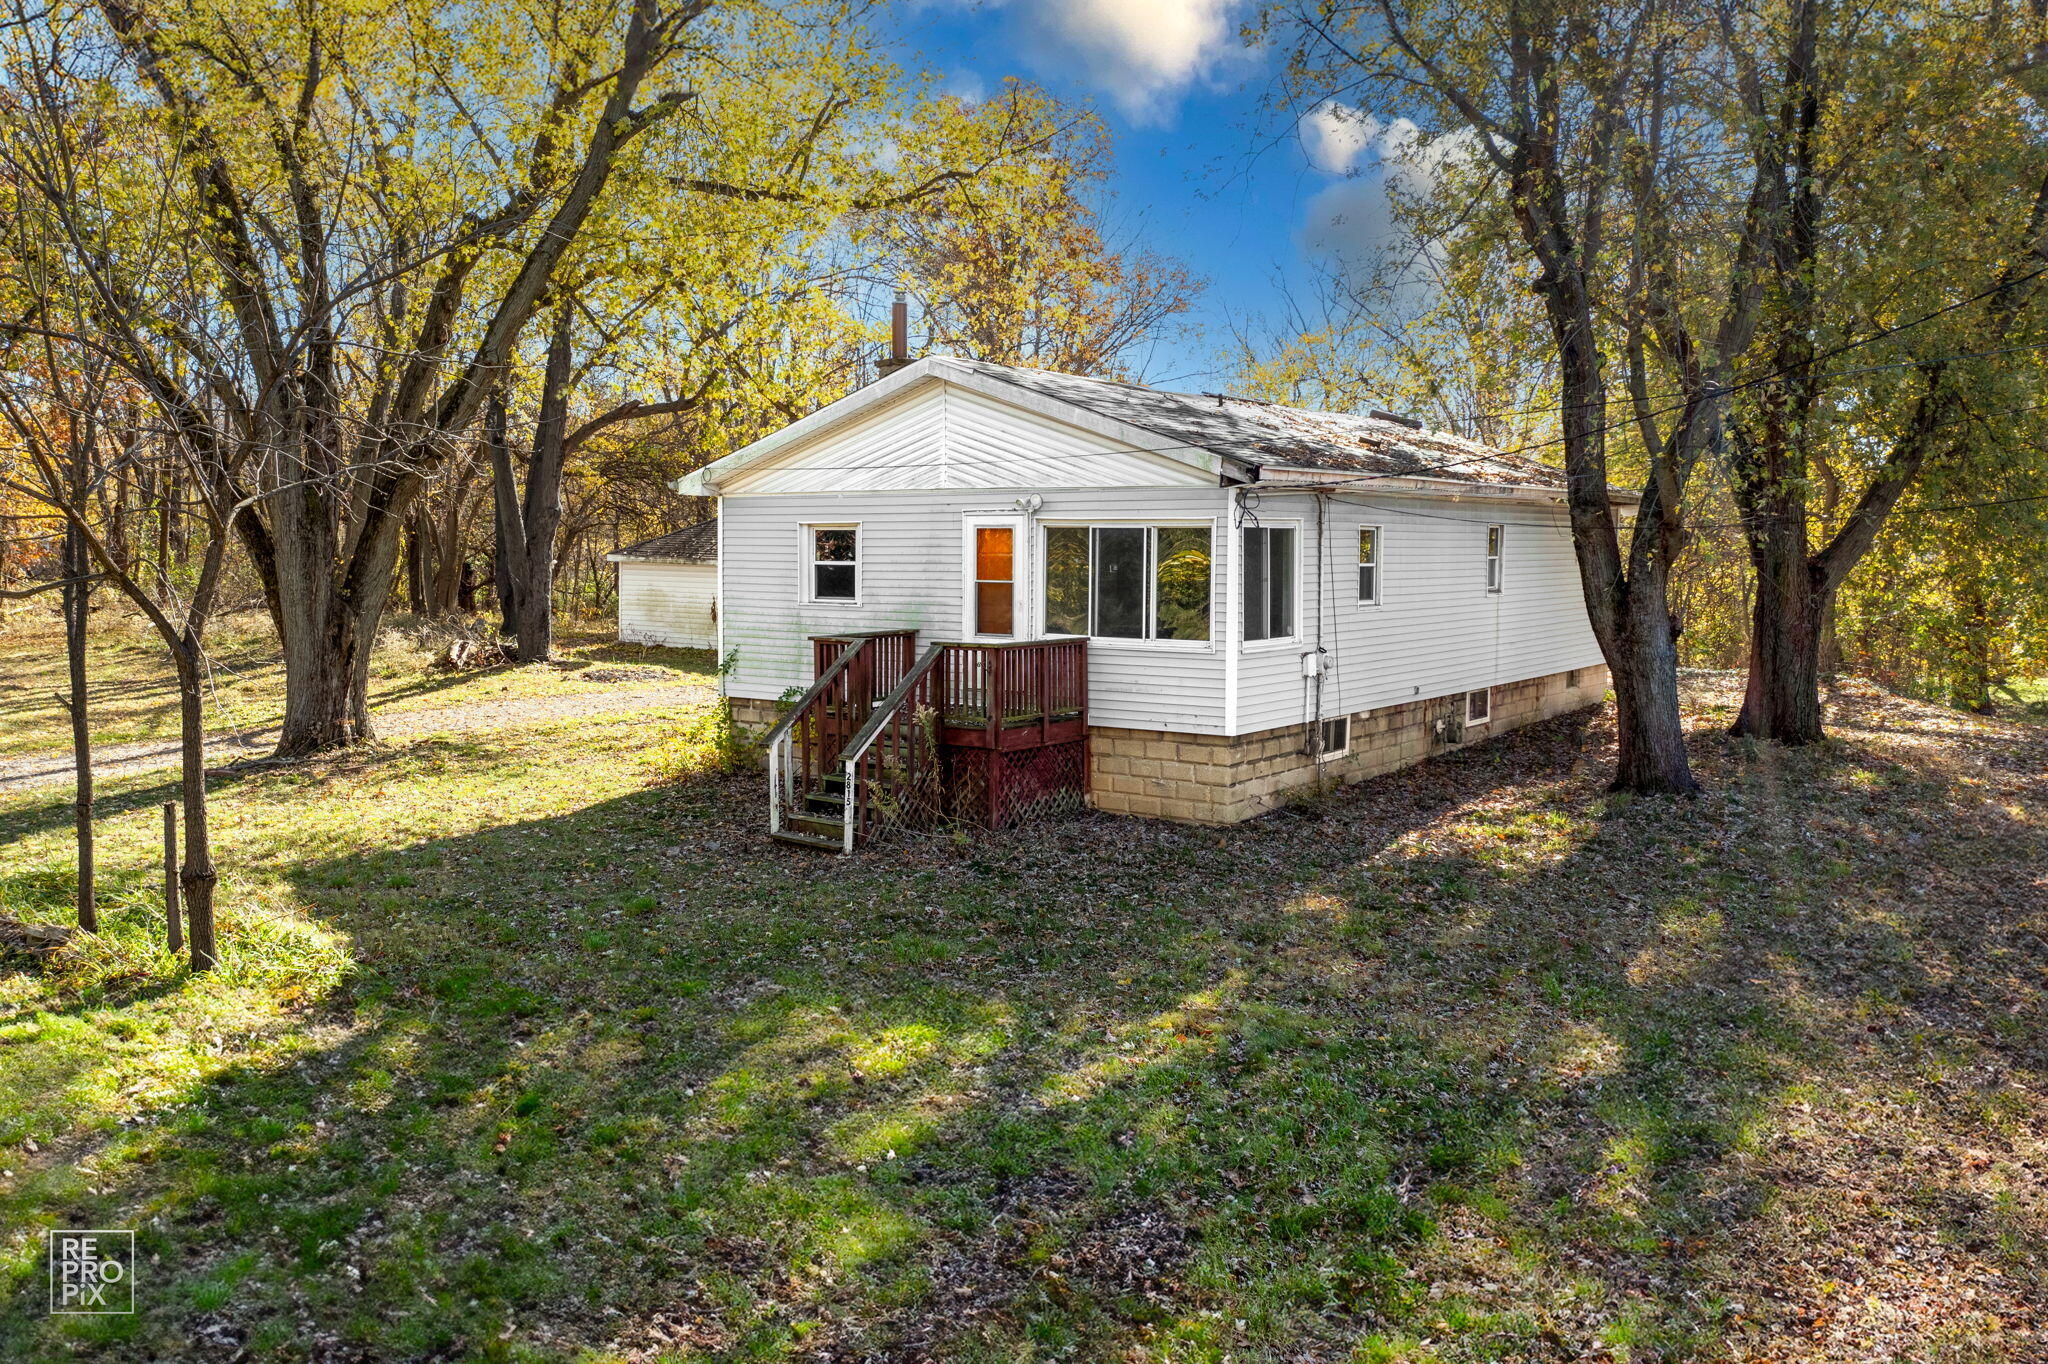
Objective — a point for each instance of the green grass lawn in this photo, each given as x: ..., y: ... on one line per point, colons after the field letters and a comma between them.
x: 517, y: 1055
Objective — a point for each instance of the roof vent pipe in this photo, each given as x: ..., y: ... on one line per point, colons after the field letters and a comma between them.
x: 899, y: 337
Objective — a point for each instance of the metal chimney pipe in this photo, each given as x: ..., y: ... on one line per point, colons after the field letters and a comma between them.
x: 899, y: 337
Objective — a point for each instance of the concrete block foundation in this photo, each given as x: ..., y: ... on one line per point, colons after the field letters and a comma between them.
x: 1222, y: 779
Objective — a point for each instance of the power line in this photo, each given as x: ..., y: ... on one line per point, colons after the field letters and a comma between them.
x: 1830, y: 374
x: 1738, y: 525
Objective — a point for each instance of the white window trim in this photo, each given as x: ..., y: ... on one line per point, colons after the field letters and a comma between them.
x: 1487, y: 719
x: 1124, y: 642
x: 1266, y: 646
x: 807, y: 531
x: 1379, y: 565
x: 1497, y: 564
x: 1331, y: 754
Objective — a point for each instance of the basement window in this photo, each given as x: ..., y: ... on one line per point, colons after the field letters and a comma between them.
x: 1479, y: 706
x: 1336, y: 738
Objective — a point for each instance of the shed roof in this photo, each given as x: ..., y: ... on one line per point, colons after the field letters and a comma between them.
x: 696, y: 544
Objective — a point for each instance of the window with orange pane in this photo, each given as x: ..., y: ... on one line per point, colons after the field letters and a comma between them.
x: 995, y: 580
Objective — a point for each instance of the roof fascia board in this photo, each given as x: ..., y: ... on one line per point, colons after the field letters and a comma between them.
x: 1284, y: 476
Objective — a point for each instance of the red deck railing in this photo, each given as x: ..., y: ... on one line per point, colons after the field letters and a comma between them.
x: 895, y: 765
x: 1020, y: 695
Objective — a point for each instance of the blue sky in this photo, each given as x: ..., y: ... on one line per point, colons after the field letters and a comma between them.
x: 1206, y: 170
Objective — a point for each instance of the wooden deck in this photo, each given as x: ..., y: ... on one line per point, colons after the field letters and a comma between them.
x: 981, y: 733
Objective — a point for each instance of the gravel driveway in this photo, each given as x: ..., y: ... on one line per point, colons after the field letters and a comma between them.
x: 53, y: 767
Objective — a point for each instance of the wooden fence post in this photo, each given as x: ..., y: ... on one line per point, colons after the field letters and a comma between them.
x: 173, y: 918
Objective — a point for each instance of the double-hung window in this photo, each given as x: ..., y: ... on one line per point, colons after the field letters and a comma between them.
x: 1496, y: 538
x: 1268, y: 581
x: 834, y: 570
x: 1128, y: 582
x: 1369, y: 565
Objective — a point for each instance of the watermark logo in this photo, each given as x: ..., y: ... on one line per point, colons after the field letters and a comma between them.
x: 92, y: 1271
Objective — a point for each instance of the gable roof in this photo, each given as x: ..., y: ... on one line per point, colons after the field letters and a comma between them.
x: 696, y: 544
x: 1236, y: 439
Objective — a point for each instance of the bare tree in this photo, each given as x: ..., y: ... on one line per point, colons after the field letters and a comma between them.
x: 1570, y: 110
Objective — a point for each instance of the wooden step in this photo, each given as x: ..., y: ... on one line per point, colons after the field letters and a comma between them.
x: 823, y: 828
x: 804, y: 840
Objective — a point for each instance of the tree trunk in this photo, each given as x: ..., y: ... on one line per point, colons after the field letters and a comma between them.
x: 541, y: 510
x: 330, y: 630
x: 1628, y: 600
x: 416, y: 565
x: 198, y: 876
x: 509, y: 534
x: 1642, y: 660
x: 1781, y: 700
x: 77, y: 602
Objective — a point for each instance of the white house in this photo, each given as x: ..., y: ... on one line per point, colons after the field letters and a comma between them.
x: 1270, y: 598
x: 668, y: 588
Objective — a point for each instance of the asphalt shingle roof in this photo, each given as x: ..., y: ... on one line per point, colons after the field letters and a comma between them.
x: 1264, y: 433
x: 696, y: 544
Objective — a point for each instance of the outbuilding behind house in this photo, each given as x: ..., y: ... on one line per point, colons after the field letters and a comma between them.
x: 668, y: 588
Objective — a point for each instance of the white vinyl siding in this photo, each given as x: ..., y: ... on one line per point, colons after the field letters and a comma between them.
x: 668, y: 603
x: 912, y: 547
x: 1436, y: 632
x: 944, y: 437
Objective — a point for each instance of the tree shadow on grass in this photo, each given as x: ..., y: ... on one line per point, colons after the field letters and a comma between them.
x: 1471, y: 1054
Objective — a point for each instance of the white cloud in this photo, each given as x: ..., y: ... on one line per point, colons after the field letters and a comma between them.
x: 1380, y: 160
x: 966, y: 86
x: 1335, y: 137
x: 1142, y: 54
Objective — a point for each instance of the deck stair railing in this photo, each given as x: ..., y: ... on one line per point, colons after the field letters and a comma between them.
x: 984, y: 733
x: 894, y: 775
x: 804, y: 747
